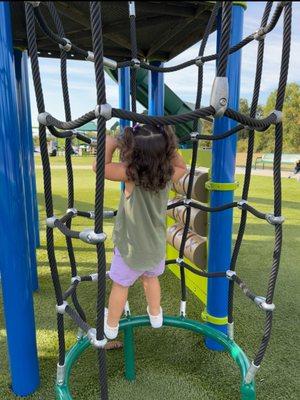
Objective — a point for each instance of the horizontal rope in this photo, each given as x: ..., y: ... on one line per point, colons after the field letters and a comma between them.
x: 254, y: 123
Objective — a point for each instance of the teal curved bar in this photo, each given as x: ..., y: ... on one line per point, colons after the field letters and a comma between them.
x: 128, y: 324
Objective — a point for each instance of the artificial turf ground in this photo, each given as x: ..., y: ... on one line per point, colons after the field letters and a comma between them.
x: 174, y: 364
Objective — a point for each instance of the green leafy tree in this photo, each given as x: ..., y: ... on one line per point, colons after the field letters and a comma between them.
x: 291, y: 122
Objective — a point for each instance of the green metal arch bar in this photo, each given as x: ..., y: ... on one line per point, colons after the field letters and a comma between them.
x: 236, y: 353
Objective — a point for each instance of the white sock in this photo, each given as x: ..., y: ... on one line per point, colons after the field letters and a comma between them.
x: 156, y: 321
x: 110, y: 332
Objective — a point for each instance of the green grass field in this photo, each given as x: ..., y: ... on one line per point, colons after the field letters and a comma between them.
x: 171, y: 363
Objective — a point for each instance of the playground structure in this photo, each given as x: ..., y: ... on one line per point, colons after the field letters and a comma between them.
x: 221, y: 275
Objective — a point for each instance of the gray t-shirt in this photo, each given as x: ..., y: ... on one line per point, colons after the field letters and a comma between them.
x: 140, y: 227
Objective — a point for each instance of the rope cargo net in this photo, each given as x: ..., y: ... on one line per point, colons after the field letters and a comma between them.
x: 103, y: 111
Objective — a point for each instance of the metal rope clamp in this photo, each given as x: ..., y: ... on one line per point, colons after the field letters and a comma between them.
x: 131, y: 5
x: 279, y: 220
x: 278, y: 116
x: 179, y: 261
x: 187, y: 203
x: 219, y: 95
x: 242, y: 205
x: 194, y: 136
x: 230, y: 274
x: 67, y: 46
x: 92, y: 335
x: 261, y: 303
x: 50, y: 222
x: 90, y: 236
x: 260, y: 34
x: 90, y: 56
x: 61, y: 309
x: 73, y: 211
x: 75, y: 279
x: 252, y: 370
x: 136, y: 64
x: 199, y: 61
x: 33, y: 3
x: 105, y: 110
x: 42, y: 118
x: 60, y: 374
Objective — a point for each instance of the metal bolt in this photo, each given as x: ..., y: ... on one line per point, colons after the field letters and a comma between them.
x: 223, y: 102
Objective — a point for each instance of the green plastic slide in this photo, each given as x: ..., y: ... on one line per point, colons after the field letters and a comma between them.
x: 173, y: 103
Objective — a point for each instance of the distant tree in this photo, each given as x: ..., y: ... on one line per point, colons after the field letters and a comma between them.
x: 291, y: 121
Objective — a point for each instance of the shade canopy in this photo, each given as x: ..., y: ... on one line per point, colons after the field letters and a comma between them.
x: 164, y: 28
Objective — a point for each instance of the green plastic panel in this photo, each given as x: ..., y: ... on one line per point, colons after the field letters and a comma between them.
x: 173, y: 104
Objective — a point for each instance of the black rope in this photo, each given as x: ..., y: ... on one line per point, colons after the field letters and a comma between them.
x: 286, y: 44
x: 96, y: 22
x: 32, y: 50
x: 130, y: 63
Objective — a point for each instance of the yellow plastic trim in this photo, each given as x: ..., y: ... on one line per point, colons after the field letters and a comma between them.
x: 221, y: 186
x: 213, y: 320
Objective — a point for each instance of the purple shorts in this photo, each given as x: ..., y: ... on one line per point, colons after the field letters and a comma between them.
x: 126, y: 276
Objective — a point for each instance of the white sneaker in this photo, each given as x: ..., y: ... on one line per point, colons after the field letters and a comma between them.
x: 110, y: 332
x: 156, y: 321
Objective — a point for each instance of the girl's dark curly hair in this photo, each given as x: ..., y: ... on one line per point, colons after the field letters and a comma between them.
x: 148, y: 151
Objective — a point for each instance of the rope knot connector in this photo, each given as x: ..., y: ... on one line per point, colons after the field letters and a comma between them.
x: 61, y: 309
x: 242, y: 205
x: 230, y: 274
x: 51, y: 221
x: 73, y: 211
x: 279, y: 220
x: 260, y: 34
x: 92, y: 335
x: 105, y: 110
x: 67, y: 46
x: 42, y: 118
x: 136, y: 64
x: 90, y: 56
x: 262, y: 303
x: 278, y: 115
x: 219, y: 95
x: 90, y: 236
x: 194, y: 136
x: 199, y: 61
x: 179, y: 261
x: 76, y: 278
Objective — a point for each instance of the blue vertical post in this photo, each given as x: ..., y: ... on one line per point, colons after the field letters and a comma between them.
x: 20, y: 62
x: 223, y: 170
x: 124, y: 98
x: 15, y: 276
x: 124, y: 93
x: 156, y: 92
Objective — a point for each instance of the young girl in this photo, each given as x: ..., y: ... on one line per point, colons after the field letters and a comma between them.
x: 149, y: 164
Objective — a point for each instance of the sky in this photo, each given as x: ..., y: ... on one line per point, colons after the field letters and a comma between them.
x: 81, y: 75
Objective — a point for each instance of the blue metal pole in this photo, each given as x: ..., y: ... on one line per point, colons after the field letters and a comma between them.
x: 124, y: 93
x: 223, y: 170
x: 20, y: 62
x: 16, y: 279
x: 124, y: 99
x: 156, y: 91
x: 31, y: 152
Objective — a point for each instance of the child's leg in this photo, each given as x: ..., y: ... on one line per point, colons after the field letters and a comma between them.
x: 116, y: 304
x: 152, y: 292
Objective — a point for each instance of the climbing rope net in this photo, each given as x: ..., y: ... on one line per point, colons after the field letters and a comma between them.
x: 103, y: 111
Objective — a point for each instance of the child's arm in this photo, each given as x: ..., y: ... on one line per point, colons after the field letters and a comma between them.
x: 113, y: 171
x: 179, y: 166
